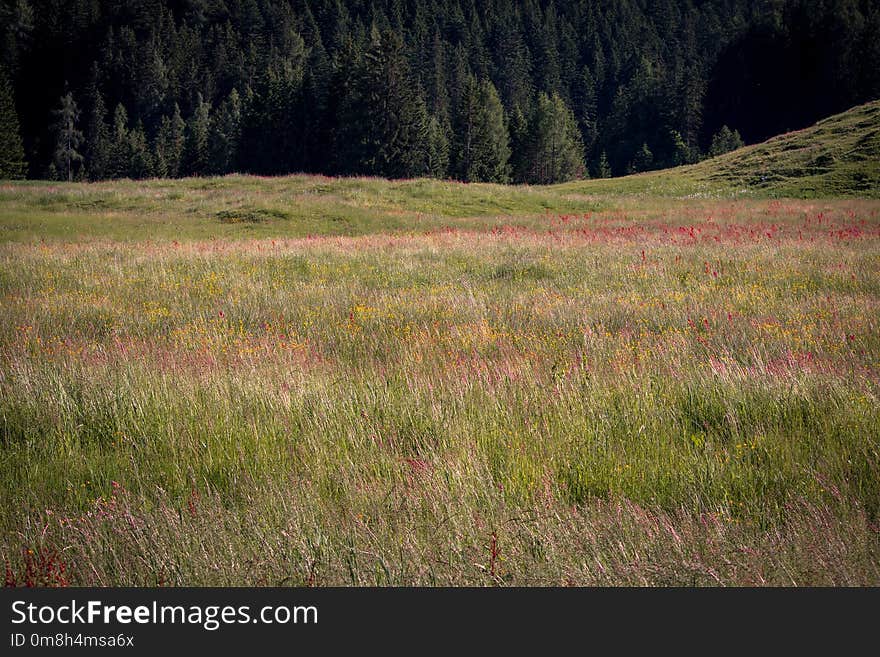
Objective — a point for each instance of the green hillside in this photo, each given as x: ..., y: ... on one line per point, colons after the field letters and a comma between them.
x: 839, y: 156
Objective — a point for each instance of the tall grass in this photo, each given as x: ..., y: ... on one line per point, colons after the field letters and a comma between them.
x: 656, y: 393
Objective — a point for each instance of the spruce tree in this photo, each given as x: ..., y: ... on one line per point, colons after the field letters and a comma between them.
x: 437, y: 161
x: 12, y: 162
x: 519, y: 145
x: 68, y: 137
x: 438, y: 93
x: 633, y: 73
x: 681, y: 152
x: 691, y: 92
x: 119, y: 159
x: 556, y: 153
x: 588, y: 115
x: 98, y: 140
x: 724, y: 141
x: 225, y: 134
x: 482, y: 148
x: 272, y: 125
x: 340, y: 127
x: 513, y: 59
x: 140, y: 164
x: 547, y: 54
x: 170, y: 142
x: 603, y: 168
x: 643, y: 160
x: 196, y: 155
x: 491, y: 161
x: 311, y: 109
x: 394, y: 118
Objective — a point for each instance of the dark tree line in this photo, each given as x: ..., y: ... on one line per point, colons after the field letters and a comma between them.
x: 490, y: 90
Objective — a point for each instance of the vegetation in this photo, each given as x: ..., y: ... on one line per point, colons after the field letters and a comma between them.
x: 402, y: 89
x: 67, y: 137
x: 839, y: 156
x: 725, y: 141
x: 12, y: 164
x: 553, y: 150
x: 316, y: 381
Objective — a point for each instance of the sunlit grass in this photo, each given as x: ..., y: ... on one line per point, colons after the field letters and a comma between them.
x: 611, y: 391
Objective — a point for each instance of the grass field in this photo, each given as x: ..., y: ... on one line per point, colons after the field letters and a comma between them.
x: 308, y: 381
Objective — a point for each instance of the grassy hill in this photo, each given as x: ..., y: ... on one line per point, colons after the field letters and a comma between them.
x: 839, y: 156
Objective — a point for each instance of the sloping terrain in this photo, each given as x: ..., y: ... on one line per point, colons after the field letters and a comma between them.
x: 839, y: 156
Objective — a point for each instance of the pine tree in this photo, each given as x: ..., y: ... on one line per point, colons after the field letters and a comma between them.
x: 394, y: 118
x: 140, y: 163
x: 519, y: 145
x: 225, y: 134
x: 271, y: 140
x: 12, y: 162
x: 170, y: 142
x: 603, y: 168
x: 588, y: 110
x: 724, y: 141
x: 556, y: 152
x: 119, y: 159
x: 340, y: 127
x: 438, y: 94
x: 482, y: 149
x: 196, y: 156
x: 681, y: 152
x: 643, y: 160
x: 98, y: 140
x: 437, y: 161
x: 68, y: 137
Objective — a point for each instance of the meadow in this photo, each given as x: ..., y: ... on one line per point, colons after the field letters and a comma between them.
x: 307, y: 381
